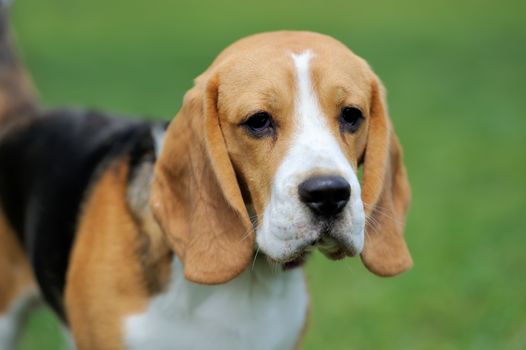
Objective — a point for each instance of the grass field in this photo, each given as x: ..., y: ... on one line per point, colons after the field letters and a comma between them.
x: 455, y: 72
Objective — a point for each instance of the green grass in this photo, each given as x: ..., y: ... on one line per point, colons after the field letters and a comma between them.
x: 455, y: 72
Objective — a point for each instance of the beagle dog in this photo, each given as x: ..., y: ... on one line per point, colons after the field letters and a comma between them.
x: 193, y: 237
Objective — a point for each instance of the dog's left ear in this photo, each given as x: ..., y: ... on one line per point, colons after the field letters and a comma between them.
x: 195, y: 195
x: 385, y: 193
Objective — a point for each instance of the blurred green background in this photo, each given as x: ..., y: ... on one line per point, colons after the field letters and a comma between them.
x: 455, y: 73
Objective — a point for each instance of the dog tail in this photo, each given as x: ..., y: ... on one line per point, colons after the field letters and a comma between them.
x: 17, y: 95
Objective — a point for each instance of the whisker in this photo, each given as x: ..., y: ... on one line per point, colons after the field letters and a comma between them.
x: 384, y: 212
x: 274, y: 267
x: 254, y: 227
x: 247, y: 234
x: 254, y: 260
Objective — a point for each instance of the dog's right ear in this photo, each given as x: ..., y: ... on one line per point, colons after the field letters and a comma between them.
x: 196, y: 197
x: 385, y: 193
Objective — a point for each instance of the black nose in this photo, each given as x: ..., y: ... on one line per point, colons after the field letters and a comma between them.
x: 325, y: 195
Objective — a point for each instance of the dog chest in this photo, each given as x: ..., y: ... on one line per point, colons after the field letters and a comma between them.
x: 260, y: 309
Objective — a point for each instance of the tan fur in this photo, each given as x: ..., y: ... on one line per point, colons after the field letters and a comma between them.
x: 107, y: 278
x: 386, y: 194
x: 196, y: 197
x: 15, y: 273
x: 245, y: 90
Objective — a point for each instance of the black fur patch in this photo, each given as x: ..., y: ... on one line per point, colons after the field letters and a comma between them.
x: 46, y: 168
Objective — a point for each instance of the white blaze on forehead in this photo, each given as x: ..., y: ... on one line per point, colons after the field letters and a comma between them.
x: 313, y: 141
x: 288, y: 226
x: 306, y: 101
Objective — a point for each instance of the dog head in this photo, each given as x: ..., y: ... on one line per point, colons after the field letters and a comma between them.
x: 264, y: 154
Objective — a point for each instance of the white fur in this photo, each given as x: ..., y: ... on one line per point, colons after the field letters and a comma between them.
x: 288, y: 227
x: 261, y: 309
x: 12, y: 320
x: 158, y: 133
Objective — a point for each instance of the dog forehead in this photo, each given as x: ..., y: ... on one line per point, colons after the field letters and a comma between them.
x: 266, y: 61
x: 284, y: 43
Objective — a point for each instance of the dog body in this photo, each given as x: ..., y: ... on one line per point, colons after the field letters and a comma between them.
x: 42, y: 202
x: 192, y: 238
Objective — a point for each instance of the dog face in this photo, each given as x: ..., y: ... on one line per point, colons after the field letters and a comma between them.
x: 276, y: 128
x: 295, y: 134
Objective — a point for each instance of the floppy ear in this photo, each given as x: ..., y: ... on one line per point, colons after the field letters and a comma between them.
x: 385, y: 193
x: 195, y: 195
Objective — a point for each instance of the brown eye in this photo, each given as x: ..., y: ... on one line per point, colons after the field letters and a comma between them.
x: 259, y: 124
x: 350, y: 119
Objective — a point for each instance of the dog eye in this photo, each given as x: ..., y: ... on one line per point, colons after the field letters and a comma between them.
x: 259, y: 124
x: 351, y: 118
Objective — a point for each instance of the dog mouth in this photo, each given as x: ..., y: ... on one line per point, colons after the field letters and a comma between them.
x: 328, y: 246
x: 333, y: 237
x: 296, y: 262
